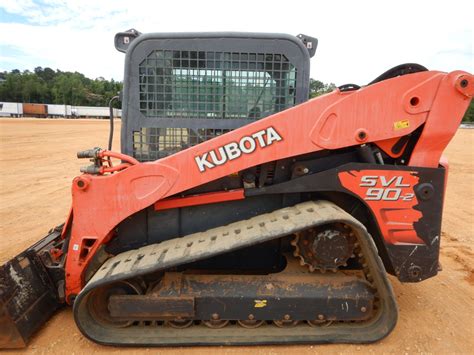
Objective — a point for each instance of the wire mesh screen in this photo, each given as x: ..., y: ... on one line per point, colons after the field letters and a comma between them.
x: 155, y: 143
x: 198, y: 84
x: 207, y: 85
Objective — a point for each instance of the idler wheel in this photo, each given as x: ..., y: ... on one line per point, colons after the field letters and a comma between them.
x: 99, y: 299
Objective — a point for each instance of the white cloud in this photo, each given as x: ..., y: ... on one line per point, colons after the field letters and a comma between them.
x: 358, y: 39
x: 17, y: 6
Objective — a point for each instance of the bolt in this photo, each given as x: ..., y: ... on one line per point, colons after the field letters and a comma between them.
x: 72, y: 299
x: 215, y: 316
x: 251, y: 317
x: 362, y: 135
x: 305, y: 170
x: 320, y: 317
x: 414, y: 272
x: 363, y: 309
x: 414, y: 101
x: 286, y: 317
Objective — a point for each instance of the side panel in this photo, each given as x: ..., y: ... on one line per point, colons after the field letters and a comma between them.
x: 151, y: 226
x: 391, y: 197
x: 407, y: 205
x: 407, y: 228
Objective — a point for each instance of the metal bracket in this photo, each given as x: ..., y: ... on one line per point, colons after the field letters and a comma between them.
x: 123, y: 40
x: 310, y: 43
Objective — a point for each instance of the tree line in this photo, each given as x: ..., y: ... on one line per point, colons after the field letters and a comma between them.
x: 45, y: 85
x: 469, y: 116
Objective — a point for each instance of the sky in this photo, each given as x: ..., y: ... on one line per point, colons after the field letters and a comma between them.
x: 358, y: 40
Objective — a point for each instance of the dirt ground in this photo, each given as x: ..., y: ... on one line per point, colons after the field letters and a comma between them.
x: 37, y: 165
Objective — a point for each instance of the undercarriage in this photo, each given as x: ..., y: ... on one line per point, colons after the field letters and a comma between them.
x: 149, y: 297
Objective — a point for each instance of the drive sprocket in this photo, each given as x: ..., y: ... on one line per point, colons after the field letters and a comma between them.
x: 324, y: 248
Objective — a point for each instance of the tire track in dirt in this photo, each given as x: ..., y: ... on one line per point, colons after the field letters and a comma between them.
x: 460, y: 253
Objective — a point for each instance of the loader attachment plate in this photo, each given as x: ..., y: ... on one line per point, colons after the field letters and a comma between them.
x: 28, y: 294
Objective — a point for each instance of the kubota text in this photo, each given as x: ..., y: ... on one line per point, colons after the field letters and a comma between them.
x: 234, y: 150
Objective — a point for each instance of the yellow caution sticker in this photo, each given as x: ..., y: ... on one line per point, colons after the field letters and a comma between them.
x: 401, y: 124
x: 260, y: 303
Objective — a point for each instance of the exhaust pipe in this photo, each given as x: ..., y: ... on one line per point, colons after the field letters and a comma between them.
x: 31, y: 290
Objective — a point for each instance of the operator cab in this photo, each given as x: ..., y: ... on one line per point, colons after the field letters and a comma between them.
x: 181, y: 89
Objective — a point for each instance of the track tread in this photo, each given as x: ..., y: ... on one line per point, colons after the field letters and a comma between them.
x: 215, y: 241
x: 179, y: 251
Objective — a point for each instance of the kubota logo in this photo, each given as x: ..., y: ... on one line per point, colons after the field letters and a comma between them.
x: 234, y: 150
x: 382, y: 188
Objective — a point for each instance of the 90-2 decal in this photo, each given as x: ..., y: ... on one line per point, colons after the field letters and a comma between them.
x: 390, y: 196
x: 390, y: 189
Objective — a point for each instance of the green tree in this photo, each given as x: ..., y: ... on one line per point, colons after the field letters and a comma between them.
x: 44, y: 85
x: 317, y: 88
x: 469, y: 116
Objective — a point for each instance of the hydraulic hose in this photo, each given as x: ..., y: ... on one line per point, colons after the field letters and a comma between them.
x: 111, y: 116
x: 123, y: 157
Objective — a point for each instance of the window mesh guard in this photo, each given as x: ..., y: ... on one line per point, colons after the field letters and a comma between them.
x: 155, y: 143
x: 207, y: 85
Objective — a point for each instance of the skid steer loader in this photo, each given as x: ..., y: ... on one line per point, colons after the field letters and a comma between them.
x: 239, y: 211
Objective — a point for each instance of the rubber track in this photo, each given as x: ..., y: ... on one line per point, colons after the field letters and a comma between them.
x: 259, y: 229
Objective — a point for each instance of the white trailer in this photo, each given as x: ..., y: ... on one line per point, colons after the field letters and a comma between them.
x: 59, y: 110
x: 15, y: 109
x: 90, y: 111
x: 11, y: 109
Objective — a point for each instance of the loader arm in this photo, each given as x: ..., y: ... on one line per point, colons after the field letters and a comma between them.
x: 383, y: 112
